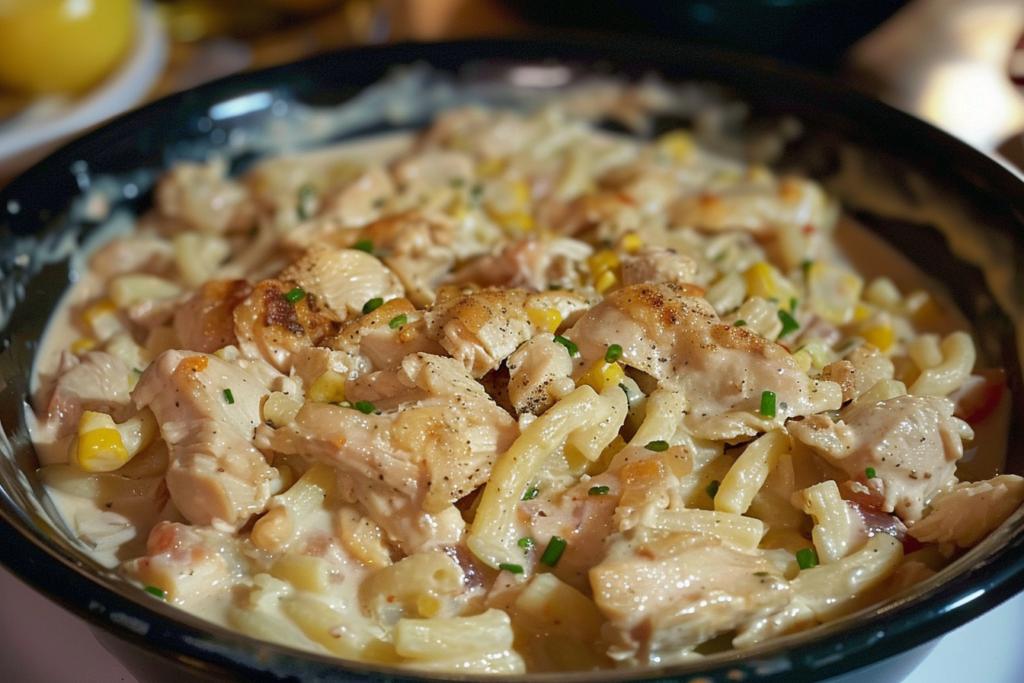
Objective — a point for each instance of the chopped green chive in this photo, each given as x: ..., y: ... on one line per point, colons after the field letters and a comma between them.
x: 805, y: 265
x: 712, y: 489
x: 657, y: 446
x: 739, y: 323
x: 768, y: 403
x: 807, y: 558
x: 307, y: 194
x: 870, y: 473
x: 789, y: 323
x: 531, y: 493
x: 372, y: 305
x: 625, y: 390
x: 598, y: 491
x: 364, y: 245
x: 364, y: 407
x: 295, y: 295
x: 157, y: 592
x: 793, y: 304
x: 555, y: 287
x: 556, y: 546
x: 476, y: 193
x: 398, y: 321
x: 613, y: 353
x: 229, y: 397
x: 569, y: 345
x: 511, y: 568
x: 526, y: 543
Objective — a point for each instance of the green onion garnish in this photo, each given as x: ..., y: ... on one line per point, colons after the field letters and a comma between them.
x: 364, y: 407
x: 526, y: 543
x: 157, y: 592
x: 372, y: 305
x: 569, y: 345
x: 476, y: 193
x: 739, y: 323
x: 295, y: 295
x: 556, y: 546
x: 307, y: 193
x: 511, y: 568
x: 792, y: 304
x: 807, y: 558
x: 789, y: 323
x: 768, y: 403
x: 228, y: 396
x: 712, y: 489
x: 870, y: 472
x: 805, y: 265
x: 364, y: 245
x: 398, y: 321
x: 598, y: 491
x: 613, y: 353
x: 657, y: 446
x: 531, y: 493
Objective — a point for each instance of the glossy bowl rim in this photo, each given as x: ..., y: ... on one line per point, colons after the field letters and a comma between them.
x: 906, y: 623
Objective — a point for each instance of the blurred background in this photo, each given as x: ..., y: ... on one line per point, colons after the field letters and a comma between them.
x: 66, y: 65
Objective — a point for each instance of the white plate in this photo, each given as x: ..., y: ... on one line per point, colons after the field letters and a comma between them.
x: 33, y: 133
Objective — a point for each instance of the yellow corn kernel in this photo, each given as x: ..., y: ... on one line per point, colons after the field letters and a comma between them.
x: 601, y: 262
x: 676, y: 146
x: 833, y: 292
x: 488, y: 168
x: 102, y: 320
x: 880, y: 336
x: 546, y: 319
x: 804, y: 359
x: 602, y: 375
x: 100, y: 447
x: 927, y: 313
x: 631, y: 243
x: 518, y: 222
x: 860, y: 313
x: 605, y: 281
x: 764, y: 280
x: 92, y: 313
x: 82, y: 345
x: 328, y: 388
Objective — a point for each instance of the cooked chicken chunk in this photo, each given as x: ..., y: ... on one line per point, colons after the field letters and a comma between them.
x: 343, y: 280
x: 203, y: 198
x: 208, y: 410
x: 911, y: 443
x: 269, y: 327
x: 482, y: 328
x: 968, y: 511
x: 722, y: 370
x: 206, y: 322
x: 539, y: 375
x: 666, y: 592
x: 652, y: 265
x: 408, y: 467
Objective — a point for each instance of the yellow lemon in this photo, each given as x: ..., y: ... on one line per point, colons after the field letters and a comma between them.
x: 62, y: 45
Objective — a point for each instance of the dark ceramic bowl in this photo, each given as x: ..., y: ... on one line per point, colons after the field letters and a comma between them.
x: 957, y: 213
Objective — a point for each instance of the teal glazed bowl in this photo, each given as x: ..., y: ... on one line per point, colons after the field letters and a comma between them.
x: 958, y: 214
